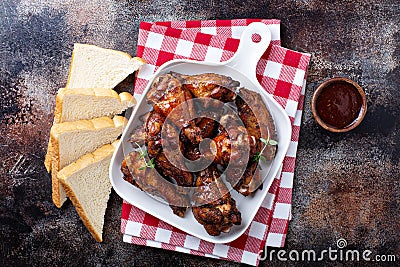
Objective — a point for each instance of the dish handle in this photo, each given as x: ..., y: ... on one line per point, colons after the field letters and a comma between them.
x: 254, y: 40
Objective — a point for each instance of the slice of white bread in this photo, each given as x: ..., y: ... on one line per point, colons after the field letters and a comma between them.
x: 85, y: 104
x: 71, y: 140
x: 88, y: 186
x: 95, y: 67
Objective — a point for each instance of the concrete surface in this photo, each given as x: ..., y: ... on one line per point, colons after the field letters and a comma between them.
x: 346, y: 185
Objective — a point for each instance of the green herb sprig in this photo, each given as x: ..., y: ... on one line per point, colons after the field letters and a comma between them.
x: 143, y: 155
x: 258, y: 156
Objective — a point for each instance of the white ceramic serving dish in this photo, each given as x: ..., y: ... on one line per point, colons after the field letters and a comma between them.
x: 241, y: 67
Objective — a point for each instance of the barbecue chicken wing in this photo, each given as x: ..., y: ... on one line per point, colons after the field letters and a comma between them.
x: 166, y: 93
x: 259, y: 124
x: 209, y: 129
x: 257, y: 119
x: 178, y: 174
x: 157, y: 143
x: 138, y: 134
x: 150, y: 181
x: 153, y: 129
x: 171, y: 100
x: 214, y: 207
x: 233, y: 145
x: 210, y: 85
x: 246, y: 182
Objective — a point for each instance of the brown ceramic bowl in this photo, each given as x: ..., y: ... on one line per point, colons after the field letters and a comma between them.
x: 356, y: 121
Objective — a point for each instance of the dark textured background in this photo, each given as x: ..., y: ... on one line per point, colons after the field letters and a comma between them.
x: 346, y: 185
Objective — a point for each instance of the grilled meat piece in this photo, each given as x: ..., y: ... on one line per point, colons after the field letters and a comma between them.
x: 150, y: 181
x: 193, y: 152
x: 210, y: 85
x: 138, y: 135
x: 166, y: 93
x: 153, y: 129
x: 249, y: 181
x: 172, y: 101
x: 257, y: 119
x: 173, y: 172
x: 159, y: 143
x: 160, y: 135
x: 193, y: 133
x: 198, y: 157
x: 233, y: 145
x: 208, y: 127
x: 214, y: 207
x: 259, y: 124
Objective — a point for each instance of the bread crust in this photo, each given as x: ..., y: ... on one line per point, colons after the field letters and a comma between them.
x: 57, y: 129
x: 47, y: 159
x: 132, y: 63
x: 55, y: 185
x: 100, y: 154
x: 84, y: 56
x: 127, y: 99
x: 124, y: 99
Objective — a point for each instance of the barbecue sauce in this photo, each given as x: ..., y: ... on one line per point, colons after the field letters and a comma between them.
x: 339, y: 104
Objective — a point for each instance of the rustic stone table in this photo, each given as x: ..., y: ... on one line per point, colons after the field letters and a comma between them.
x: 346, y: 185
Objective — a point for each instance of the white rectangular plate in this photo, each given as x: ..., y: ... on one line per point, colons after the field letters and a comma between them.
x: 248, y: 206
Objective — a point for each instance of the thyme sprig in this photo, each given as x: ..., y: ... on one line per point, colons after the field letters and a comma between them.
x: 258, y: 156
x: 143, y: 155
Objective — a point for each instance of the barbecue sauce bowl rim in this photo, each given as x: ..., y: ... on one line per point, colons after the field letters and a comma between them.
x: 329, y: 127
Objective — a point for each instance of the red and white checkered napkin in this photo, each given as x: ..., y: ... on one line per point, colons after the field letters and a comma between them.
x: 282, y: 73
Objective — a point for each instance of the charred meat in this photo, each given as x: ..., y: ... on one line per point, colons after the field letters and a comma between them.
x: 210, y: 85
x: 172, y: 101
x: 214, y: 207
x: 150, y: 181
x: 203, y: 121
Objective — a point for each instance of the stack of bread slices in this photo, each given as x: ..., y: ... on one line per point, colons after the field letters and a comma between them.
x: 85, y: 131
